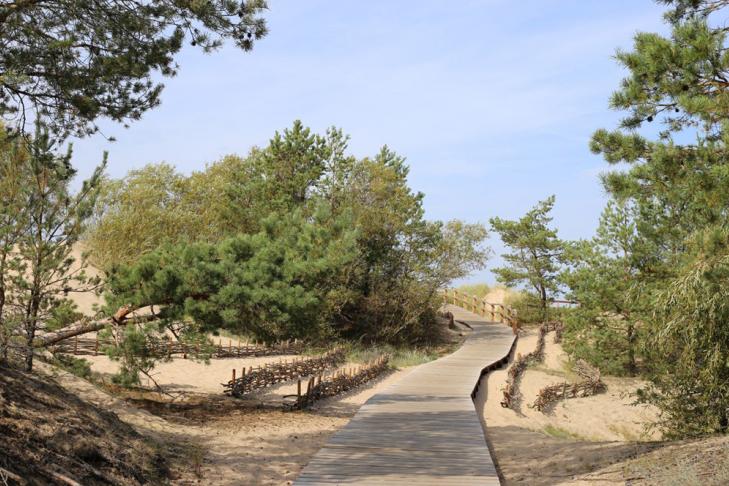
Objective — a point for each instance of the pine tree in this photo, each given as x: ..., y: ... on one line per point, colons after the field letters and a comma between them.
x: 71, y: 62
x: 535, y: 251
x: 679, y: 192
x: 51, y: 223
x: 13, y: 222
x: 603, y: 276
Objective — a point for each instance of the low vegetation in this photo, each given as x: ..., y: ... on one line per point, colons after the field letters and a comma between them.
x: 50, y: 435
x: 296, y: 240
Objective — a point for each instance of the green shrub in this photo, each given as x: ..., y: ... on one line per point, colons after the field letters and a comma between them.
x: 528, y: 308
x: 400, y: 357
x: 76, y: 366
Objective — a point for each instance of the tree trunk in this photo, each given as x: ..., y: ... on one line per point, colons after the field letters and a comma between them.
x: 632, y: 366
x: 4, y: 333
x: 90, y: 324
x: 31, y: 325
x: 29, y: 350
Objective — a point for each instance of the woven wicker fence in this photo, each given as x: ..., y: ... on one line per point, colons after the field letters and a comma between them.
x: 274, y: 373
x: 511, y: 391
x: 591, y: 384
x: 340, y: 382
x: 221, y: 349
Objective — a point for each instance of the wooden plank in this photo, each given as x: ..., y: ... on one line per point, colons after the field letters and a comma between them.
x: 423, y: 429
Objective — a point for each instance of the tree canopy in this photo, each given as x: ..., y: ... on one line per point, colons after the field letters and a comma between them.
x: 297, y: 239
x: 70, y: 63
x: 533, y: 261
x: 657, y: 269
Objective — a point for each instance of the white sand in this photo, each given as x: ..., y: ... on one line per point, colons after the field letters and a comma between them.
x: 187, y: 375
x: 243, y: 446
x: 609, y: 416
x: 585, y: 434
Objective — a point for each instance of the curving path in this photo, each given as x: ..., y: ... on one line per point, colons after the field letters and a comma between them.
x: 424, y: 429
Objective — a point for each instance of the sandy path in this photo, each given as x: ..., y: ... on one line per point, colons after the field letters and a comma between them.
x: 580, y: 435
x: 241, y: 445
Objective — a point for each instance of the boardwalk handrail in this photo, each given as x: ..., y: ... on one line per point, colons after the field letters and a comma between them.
x: 496, y: 312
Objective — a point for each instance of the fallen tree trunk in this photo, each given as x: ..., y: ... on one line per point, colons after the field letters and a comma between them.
x: 91, y: 324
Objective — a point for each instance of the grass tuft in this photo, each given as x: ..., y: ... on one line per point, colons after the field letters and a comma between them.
x: 479, y: 290
x: 399, y: 357
x: 560, y: 433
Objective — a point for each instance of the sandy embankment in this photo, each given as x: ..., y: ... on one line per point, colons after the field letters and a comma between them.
x: 579, y: 435
x: 241, y: 444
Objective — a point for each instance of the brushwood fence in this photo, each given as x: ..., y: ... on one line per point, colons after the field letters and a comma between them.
x: 342, y: 381
x: 92, y: 347
x: 274, y: 373
x: 591, y: 384
x: 511, y: 391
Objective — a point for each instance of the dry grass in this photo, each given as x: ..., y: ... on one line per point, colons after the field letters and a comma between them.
x: 691, y: 463
x: 47, y: 432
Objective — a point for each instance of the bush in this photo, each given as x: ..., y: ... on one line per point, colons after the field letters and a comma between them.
x: 76, y: 366
x: 602, y: 339
x: 528, y: 308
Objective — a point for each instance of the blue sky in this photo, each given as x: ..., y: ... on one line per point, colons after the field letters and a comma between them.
x: 492, y: 101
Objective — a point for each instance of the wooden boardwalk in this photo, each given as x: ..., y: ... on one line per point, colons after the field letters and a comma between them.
x: 423, y: 429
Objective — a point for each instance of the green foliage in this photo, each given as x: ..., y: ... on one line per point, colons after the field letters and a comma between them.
x: 529, y: 308
x: 13, y: 174
x: 652, y: 283
x: 141, y: 212
x: 39, y: 238
x: 70, y: 63
x: 690, y: 341
x: 535, y: 251
x: 604, y: 276
x: 134, y: 353
x: 400, y: 357
x: 76, y: 366
x: 479, y: 290
x: 296, y: 240
x: 271, y: 285
x: 63, y: 314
